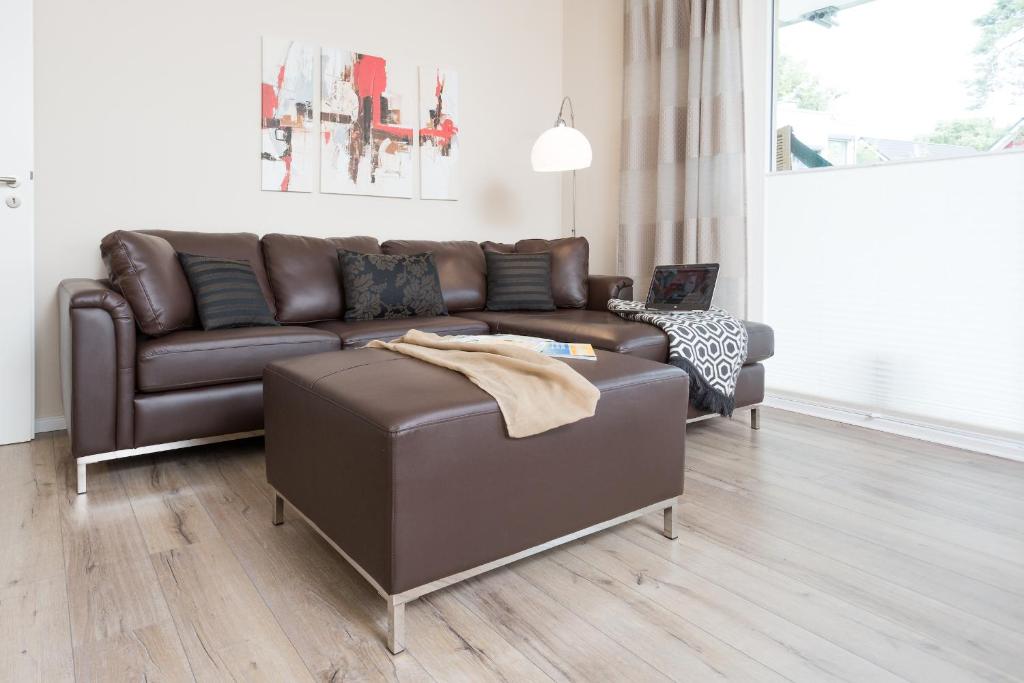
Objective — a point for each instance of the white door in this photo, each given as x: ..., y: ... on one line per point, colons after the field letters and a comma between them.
x: 17, y: 291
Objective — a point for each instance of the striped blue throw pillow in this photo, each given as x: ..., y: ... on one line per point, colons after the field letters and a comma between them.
x: 226, y: 291
x: 519, y: 282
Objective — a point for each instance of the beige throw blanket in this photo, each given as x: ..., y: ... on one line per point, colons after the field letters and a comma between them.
x: 535, y: 393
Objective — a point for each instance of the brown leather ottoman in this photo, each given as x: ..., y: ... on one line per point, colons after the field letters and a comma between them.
x: 406, y: 468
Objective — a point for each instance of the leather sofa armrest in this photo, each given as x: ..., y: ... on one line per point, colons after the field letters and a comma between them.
x: 97, y: 366
x: 604, y: 287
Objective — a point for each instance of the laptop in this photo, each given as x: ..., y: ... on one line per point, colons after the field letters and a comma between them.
x: 682, y: 288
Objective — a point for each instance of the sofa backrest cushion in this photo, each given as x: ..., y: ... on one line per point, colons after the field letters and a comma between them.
x: 460, y: 266
x: 240, y: 246
x: 570, y: 266
x: 305, y: 274
x: 145, y: 269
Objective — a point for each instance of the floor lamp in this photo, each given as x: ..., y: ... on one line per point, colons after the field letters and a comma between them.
x: 562, y: 148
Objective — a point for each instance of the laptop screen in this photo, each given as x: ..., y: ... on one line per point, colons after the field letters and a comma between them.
x: 683, y: 287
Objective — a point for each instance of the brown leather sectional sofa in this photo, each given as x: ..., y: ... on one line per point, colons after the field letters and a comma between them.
x: 139, y: 374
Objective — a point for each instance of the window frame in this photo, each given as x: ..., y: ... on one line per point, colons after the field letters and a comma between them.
x: 773, y: 38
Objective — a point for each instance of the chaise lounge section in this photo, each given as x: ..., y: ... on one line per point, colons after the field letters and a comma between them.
x: 139, y: 374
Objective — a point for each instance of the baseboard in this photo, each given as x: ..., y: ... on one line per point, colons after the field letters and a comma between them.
x: 947, y: 436
x: 50, y: 424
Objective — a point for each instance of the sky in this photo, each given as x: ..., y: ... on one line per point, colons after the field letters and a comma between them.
x: 902, y: 65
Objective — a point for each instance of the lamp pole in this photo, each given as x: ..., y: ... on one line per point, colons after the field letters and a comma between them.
x: 572, y: 122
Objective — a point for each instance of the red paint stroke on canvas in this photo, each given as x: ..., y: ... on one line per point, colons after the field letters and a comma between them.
x: 443, y: 128
x: 369, y: 75
x: 446, y: 132
x: 287, y: 172
x: 269, y: 102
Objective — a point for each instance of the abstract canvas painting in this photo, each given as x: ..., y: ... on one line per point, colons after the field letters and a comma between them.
x: 289, y: 134
x: 366, y: 142
x: 439, y: 133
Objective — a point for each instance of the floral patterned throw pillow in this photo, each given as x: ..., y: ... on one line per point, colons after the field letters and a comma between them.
x: 390, y: 286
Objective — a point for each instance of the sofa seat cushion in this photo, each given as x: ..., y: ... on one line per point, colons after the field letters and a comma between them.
x: 602, y: 329
x: 198, y: 358
x: 609, y: 332
x: 358, y: 332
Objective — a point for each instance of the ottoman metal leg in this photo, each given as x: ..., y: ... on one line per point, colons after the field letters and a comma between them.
x: 755, y: 418
x: 396, y: 625
x: 669, y: 531
x: 278, y: 509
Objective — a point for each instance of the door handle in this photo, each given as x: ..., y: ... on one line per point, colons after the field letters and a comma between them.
x: 9, y: 180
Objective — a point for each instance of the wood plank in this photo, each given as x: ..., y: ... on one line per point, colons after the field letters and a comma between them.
x: 866, y: 464
x: 30, y: 526
x: 454, y: 643
x: 557, y: 641
x: 933, y: 540
x: 168, y: 513
x: 887, y: 643
x: 118, y: 614
x: 987, y: 470
x: 858, y: 475
x: 677, y: 648
x: 150, y: 653
x: 746, y: 524
x: 227, y: 630
x: 28, y: 463
x: 794, y: 652
x: 34, y: 634
x: 978, y: 536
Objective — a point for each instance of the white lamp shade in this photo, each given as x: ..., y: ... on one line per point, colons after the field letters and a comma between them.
x: 561, y: 148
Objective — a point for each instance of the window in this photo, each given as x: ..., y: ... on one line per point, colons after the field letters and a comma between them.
x: 873, y: 81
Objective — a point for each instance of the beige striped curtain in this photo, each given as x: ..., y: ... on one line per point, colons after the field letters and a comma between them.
x: 683, y: 194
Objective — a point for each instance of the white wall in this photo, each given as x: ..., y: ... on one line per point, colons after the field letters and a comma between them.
x: 148, y: 116
x: 899, y: 289
x: 592, y: 77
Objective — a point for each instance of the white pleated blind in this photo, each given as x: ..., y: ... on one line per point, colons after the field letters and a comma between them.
x: 899, y: 290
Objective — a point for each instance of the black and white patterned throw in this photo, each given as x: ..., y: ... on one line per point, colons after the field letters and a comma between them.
x: 709, y: 345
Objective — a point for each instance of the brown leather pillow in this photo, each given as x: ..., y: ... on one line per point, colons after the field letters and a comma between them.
x: 305, y: 275
x: 570, y: 266
x: 238, y: 246
x: 145, y: 269
x: 460, y: 266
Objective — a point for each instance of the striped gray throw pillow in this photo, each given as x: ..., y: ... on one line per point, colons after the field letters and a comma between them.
x: 519, y: 282
x: 226, y: 291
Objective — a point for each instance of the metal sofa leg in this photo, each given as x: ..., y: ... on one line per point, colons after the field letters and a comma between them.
x: 396, y: 625
x: 81, y: 476
x: 755, y: 418
x: 278, y: 510
x: 669, y: 529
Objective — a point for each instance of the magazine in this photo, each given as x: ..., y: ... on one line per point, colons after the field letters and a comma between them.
x: 563, y: 350
x: 548, y: 347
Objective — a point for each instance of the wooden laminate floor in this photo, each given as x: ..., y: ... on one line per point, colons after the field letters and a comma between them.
x: 808, y: 551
